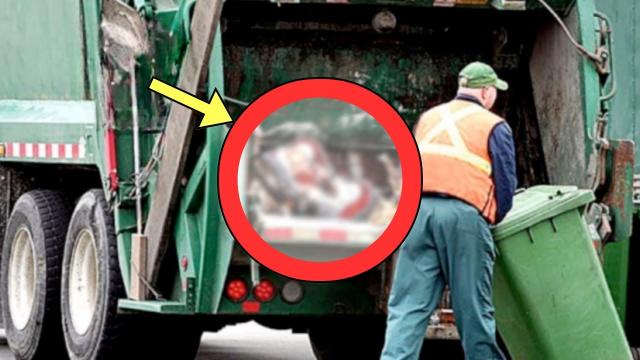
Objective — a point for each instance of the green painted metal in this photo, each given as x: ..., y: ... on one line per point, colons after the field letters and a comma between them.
x: 624, y: 110
x: 348, y: 296
x: 92, y: 49
x: 549, y: 288
x: 49, y: 122
x: 590, y: 79
x: 37, y: 63
x: 352, y: 296
x: 53, y: 112
x: 625, y: 106
x: 160, y: 307
x: 616, y: 270
x: 215, y: 256
x: 201, y: 235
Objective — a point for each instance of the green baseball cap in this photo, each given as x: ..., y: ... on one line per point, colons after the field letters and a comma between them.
x: 478, y: 75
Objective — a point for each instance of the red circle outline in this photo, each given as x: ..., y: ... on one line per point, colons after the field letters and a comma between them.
x: 244, y: 127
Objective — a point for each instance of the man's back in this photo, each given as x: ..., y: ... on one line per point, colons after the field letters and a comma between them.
x: 456, y: 158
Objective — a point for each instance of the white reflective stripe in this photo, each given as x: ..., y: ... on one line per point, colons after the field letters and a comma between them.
x: 466, y: 156
x: 82, y: 150
x: 68, y: 151
x: 55, y: 151
x: 458, y: 149
x: 449, y: 122
x: 42, y: 150
x: 15, y: 149
x: 28, y: 149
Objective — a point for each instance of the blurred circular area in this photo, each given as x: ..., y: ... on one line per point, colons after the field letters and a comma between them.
x: 320, y: 179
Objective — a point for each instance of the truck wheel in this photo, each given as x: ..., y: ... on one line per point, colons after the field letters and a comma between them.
x: 30, y: 275
x: 91, y: 287
x: 348, y: 339
x: 91, y: 282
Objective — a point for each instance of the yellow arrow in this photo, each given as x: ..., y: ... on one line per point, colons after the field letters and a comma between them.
x: 215, y: 113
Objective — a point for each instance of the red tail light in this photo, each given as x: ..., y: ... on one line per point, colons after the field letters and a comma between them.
x: 237, y: 290
x: 264, y: 291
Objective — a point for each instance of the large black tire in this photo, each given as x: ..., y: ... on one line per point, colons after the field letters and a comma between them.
x: 348, y: 339
x: 44, y: 216
x: 104, y: 335
x: 110, y: 335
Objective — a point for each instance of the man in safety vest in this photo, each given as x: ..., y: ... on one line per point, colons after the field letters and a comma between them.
x: 469, y: 179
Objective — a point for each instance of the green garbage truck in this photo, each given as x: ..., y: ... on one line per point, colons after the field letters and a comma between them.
x: 114, y: 244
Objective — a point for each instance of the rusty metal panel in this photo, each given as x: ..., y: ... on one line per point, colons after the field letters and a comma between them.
x: 619, y: 198
x: 619, y: 193
x: 556, y: 79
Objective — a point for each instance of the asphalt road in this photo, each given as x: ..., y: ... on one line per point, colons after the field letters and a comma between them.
x: 248, y: 341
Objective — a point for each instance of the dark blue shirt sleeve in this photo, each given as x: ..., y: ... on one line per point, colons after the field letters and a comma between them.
x: 503, y: 161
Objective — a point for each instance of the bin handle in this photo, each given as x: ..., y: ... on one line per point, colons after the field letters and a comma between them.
x: 553, y: 225
x: 530, y: 233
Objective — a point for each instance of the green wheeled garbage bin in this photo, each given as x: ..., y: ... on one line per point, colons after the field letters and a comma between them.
x: 551, y: 297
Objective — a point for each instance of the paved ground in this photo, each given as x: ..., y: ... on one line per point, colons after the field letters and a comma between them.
x: 248, y: 341
x: 252, y: 341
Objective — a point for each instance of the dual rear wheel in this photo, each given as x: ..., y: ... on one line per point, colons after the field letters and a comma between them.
x: 30, y: 274
x: 60, y: 284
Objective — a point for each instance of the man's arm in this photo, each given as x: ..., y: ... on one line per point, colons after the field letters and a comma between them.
x: 503, y: 160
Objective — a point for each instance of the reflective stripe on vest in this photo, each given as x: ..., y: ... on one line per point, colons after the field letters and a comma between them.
x: 458, y: 149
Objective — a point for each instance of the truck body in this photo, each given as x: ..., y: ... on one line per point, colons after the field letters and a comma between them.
x: 66, y: 110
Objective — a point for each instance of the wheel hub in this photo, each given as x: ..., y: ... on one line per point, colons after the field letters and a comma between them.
x: 83, y: 281
x: 21, y: 278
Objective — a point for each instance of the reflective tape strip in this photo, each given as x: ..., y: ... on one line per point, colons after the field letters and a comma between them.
x: 458, y: 150
x: 327, y: 235
x: 82, y: 151
x: 42, y: 150
x: 46, y: 151
x: 450, y: 127
x: 28, y: 150
x: 448, y: 121
x: 15, y: 150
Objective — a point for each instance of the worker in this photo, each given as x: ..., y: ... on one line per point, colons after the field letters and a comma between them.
x: 469, y: 178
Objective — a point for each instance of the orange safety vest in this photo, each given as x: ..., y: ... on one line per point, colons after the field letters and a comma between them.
x: 453, y: 139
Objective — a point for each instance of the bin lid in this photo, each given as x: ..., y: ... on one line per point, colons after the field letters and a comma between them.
x: 540, y: 203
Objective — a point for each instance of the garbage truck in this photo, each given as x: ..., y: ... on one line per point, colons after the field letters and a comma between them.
x: 114, y: 244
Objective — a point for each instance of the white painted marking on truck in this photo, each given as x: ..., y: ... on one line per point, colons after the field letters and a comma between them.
x: 83, y: 149
x: 28, y: 150
x: 47, y: 150
x: 42, y: 150
x: 55, y: 151
x: 68, y: 151
x: 15, y: 149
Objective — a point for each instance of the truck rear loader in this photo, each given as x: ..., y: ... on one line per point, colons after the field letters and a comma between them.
x: 114, y: 244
